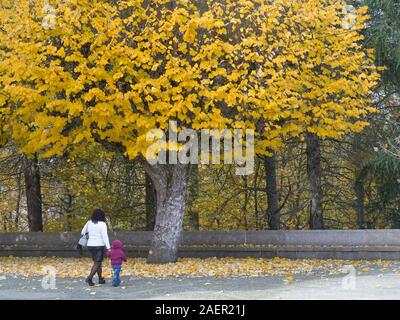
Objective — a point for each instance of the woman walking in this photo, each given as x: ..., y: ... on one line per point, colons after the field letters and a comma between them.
x: 97, y: 243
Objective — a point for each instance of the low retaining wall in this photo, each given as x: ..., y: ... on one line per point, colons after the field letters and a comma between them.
x: 311, y: 244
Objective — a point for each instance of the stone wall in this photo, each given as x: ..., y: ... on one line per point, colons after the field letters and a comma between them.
x: 318, y: 244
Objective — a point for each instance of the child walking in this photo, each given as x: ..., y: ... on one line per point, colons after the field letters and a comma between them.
x: 117, y: 256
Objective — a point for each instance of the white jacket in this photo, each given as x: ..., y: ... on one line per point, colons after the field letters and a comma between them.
x: 97, y: 234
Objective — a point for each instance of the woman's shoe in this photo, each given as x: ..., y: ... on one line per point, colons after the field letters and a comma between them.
x: 89, y: 282
x: 102, y: 281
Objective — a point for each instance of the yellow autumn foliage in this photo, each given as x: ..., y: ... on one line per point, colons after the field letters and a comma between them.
x: 188, y: 267
x: 78, y: 71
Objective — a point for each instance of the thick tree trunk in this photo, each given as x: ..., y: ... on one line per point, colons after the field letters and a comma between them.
x: 151, y: 204
x: 33, y: 193
x: 359, y: 204
x: 314, y: 172
x: 273, y: 212
x: 170, y: 182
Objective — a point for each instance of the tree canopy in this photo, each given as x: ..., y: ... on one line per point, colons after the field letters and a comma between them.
x: 111, y: 71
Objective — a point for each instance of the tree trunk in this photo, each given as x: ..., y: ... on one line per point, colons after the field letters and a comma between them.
x: 358, y: 160
x: 170, y: 182
x: 255, y: 193
x: 194, y: 220
x: 359, y: 192
x: 33, y: 193
x: 273, y: 212
x: 192, y: 195
x: 314, y: 172
x: 69, y: 216
x: 19, y: 197
x: 151, y: 204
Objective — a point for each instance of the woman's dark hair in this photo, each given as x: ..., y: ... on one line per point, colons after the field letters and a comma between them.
x: 98, y: 215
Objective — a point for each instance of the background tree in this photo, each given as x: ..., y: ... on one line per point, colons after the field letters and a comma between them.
x: 273, y: 210
x: 33, y: 192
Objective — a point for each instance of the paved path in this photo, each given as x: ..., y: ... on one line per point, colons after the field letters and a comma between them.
x: 373, y: 284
